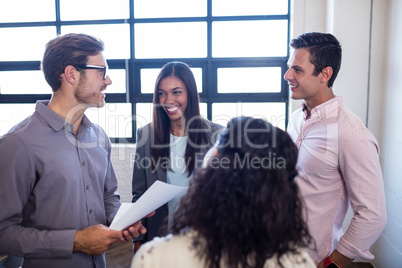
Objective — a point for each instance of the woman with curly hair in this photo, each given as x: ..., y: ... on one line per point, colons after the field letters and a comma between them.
x: 242, y: 209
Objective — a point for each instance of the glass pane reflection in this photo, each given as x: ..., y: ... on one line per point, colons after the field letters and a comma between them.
x: 171, y: 40
x: 143, y: 115
x: 249, y: 38
x: 115, y: 36
x: 169, y: 9
x: 118, y: 77
x: 249, y: 80
x: 23, y: 82
x: 249, y: 7
x: 27, y: 10
x: 94, y: 9
x: 15, y: 41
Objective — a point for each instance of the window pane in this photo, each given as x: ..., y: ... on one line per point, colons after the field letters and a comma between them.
x: 148, y: 78
x: 94, y: 9
x: 114, y: 118
x: 115, y: 36
x: 249, y: 7
x: 249, y: 80
x: 23, y: 82
x: 275, y: 113
x: 12, y: 114
x: 169, y: 9
x: 249, y: 38
x: 33, y: 82
x: 24, y: 43
x: 171, y: 40
x: 143, y: 115
x: 118, y: 77
x: 27, y: 10
x: 203, y: 110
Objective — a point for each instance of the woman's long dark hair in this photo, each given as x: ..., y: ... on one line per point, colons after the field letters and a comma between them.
x: 160, y: 149
x: 245, y: 205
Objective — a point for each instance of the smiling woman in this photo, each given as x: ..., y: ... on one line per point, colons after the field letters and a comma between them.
x: 174, y: 142
x: 173, y: 97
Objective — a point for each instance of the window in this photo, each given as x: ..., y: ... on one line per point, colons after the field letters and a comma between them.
x: 237, y: 49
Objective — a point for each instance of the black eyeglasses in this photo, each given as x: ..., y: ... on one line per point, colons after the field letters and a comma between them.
x: 96, y: 67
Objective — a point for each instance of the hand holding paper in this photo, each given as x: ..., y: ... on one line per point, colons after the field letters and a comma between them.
x: 158, y: 194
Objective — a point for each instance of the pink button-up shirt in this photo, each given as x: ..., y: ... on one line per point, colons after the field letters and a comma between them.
x: 339, y: 165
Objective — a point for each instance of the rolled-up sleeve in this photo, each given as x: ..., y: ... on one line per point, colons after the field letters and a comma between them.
x: 360, y: 167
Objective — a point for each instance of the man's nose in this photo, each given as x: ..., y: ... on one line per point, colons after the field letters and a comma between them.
x: 287, y: 75
x: 108, y: 80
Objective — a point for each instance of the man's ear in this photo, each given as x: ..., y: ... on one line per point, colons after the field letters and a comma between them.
x: 70, y: 74
x: 326, y: 74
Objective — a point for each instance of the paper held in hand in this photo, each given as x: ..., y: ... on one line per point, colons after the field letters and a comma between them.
x: 158, y: 194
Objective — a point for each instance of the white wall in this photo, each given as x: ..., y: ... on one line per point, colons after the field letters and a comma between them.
x: 388, y: 248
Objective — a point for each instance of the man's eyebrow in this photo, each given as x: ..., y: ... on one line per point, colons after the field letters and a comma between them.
x: 296, y: 67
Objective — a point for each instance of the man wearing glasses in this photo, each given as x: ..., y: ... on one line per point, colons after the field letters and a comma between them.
x: 58, y: 185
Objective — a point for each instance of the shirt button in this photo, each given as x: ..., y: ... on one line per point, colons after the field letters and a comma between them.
x: 87, y: 187
x: 83, y: 163
x: 90, y: 211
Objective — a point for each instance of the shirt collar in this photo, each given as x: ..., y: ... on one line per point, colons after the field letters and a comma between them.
x: 56, y: 122
x: 327, y: 109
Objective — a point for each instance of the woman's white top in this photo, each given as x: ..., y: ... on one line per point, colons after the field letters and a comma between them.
x: 179, y: 251
x: 178, y: 175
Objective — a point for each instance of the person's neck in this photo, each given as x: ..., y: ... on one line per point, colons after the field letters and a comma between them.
x: 177, y: 128
x: 66, y: 109
x: 312, y: 103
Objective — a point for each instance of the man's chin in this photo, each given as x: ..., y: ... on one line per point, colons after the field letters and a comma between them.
x: 100, y: 104
x: 295, y: 96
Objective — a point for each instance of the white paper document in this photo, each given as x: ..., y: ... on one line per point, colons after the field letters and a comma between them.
x: 158, y: 194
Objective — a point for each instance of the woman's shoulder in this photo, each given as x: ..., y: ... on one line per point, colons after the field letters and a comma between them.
x: 169, y: 251
x: 168, y: 241
x: 147, y: 127
x: 143, y: 135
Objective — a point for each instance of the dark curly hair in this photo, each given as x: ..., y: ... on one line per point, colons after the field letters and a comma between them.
x: 325, y: 50
x: 245, y: 204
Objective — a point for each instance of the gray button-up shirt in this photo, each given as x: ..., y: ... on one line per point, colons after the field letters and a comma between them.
x: 52, y: 183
